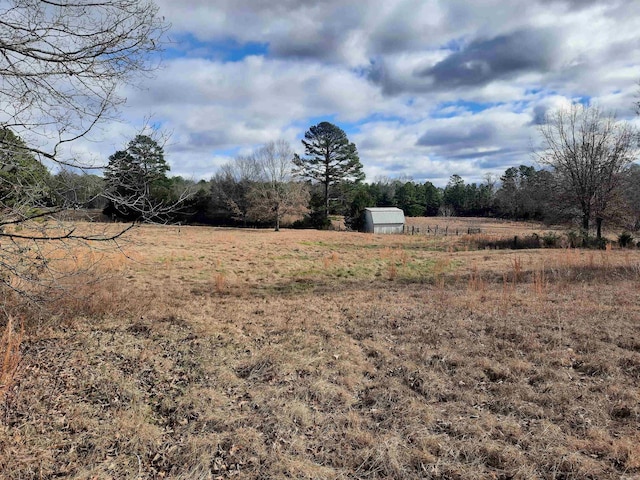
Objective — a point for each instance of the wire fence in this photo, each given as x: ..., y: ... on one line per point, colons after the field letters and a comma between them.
x: 437, y: 230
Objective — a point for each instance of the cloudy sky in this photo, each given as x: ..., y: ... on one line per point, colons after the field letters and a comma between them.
x: 425, y: 88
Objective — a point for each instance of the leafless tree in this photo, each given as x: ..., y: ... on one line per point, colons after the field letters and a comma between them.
x: 62, y: 61
x: 590, y: 152
x: 61, y: 64
x: 230, y: 186
x: 276, y: 193
x: 72, y: 190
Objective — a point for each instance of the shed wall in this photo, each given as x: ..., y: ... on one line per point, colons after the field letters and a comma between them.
x: 392, y: 228
x: 383, y: 220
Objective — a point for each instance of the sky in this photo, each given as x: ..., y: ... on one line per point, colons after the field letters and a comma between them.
x: 424, y: 88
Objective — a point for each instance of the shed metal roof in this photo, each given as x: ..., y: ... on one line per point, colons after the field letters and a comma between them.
x: 386, y: 215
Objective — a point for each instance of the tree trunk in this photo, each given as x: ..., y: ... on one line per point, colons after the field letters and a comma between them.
x: 277, y: 218
x: 598, y: 228
x: 326, y: 199
x: 585, y: 224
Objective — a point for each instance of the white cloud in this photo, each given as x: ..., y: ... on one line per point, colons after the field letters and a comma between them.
x: 390, y: 70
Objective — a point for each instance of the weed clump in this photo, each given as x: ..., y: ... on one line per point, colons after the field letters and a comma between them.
x: 10, y: 342
x: 551, y: 240
x: 625, y: 240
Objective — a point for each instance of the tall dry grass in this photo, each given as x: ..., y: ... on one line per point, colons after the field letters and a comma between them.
x: 10, y: 341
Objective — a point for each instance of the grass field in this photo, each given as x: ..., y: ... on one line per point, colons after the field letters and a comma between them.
x: 225, y: 353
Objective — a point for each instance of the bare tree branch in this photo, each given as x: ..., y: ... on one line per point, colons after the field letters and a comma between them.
x: 276, y: 194
x: 590, y: 152
x: 61, y: 64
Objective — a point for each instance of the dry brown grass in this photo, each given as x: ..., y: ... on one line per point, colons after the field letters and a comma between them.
x: 302, y: 354
x: 487, y: 226
x: 10, y: 342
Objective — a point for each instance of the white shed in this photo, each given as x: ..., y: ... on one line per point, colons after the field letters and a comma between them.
x: 383, y: 220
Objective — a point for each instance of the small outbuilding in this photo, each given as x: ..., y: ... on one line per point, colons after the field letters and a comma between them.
x: 383, y: 220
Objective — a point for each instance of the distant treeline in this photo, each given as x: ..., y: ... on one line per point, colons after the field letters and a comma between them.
x: 262, y: 189
x: 521, y: 193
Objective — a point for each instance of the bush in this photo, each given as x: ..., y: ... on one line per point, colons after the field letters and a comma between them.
x: 314, y: 220
x: 574, y: 239
x: 550, y: 240
x: 594, y: 242
x: 625, y: 239
x: 354, y: 220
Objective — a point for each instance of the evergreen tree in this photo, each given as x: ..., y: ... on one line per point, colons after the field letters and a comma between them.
x: 23, y: 179
x: 354, y: 217
x: 408, y: 197
x: 136, y: 183
x: 330, y: 159
x: 432, y: 199
x: 455, y: 194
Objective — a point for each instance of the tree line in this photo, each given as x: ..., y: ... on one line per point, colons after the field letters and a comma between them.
x: 587, y: 173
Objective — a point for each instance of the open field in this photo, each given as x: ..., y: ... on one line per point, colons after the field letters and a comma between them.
x: 226, y: 353
x: 486, y: 226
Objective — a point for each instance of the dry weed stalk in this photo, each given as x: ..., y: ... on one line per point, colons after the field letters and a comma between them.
x: 507, y: 288
x: 219, y: 282
x: 393, y: 270
x: 330, y: 260
x: 476, y: 282
x: 10, y: 350
x: 517, y: 269
x: 404, y: 257
x: 438, y: 272
x: 540, y: 281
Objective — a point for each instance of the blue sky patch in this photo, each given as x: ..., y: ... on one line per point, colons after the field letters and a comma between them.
x: 455, y: 109
x: 219, y: 50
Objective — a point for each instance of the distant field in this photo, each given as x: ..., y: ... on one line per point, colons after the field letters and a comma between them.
x: 489, y: 226
x: 228, y: 353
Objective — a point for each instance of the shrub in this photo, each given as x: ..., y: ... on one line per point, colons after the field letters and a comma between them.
x: 594, y: 242
x: 625, y: 239
x: 574, y: 239
x: 315, y: 220
x: 550, y: 240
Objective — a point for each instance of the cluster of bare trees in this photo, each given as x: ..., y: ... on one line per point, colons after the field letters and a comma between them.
x: 261, y: 186
x: 268, y: 184
x: 591, y: 155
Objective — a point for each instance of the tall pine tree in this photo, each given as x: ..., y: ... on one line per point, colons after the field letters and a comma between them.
x: 330, y: 159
